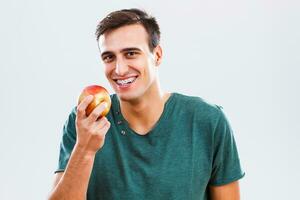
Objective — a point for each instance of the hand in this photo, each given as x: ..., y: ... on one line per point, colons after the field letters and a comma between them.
x: 91, y: 130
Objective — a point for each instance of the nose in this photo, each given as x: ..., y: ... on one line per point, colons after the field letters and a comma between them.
x: 121, y: 67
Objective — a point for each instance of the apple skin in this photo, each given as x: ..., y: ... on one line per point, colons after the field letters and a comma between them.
x: 100, y: 95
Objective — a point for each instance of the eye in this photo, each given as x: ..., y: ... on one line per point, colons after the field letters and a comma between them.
x: 131, y: 54
x: 107, y: 58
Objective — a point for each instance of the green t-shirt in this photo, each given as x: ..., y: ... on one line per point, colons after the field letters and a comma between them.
x: 190, y: 147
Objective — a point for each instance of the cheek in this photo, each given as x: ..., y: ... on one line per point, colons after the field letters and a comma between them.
x: 142, y: 64
x: 108, y: 70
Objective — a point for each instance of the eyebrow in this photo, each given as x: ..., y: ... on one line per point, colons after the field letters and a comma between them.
x: 123, y: 50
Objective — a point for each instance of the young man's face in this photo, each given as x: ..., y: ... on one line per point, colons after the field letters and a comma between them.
x: 130, y: 66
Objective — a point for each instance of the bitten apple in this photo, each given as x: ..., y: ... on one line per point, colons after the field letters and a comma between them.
x: 100, y: 95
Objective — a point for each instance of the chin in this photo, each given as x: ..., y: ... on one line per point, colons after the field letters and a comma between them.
x: 128, y: 96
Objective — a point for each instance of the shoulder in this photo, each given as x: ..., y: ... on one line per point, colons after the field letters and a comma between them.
x: 199, y: 111
x: 72, y: 115
x: 198, y: 106
x: 204, y: 114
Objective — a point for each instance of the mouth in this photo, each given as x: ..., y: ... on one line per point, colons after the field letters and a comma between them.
x: 125, y: 82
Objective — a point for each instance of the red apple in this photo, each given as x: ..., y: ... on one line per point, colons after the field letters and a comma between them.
x: 100, y: 95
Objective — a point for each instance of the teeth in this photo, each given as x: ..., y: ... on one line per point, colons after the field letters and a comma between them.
x: 126, y: 81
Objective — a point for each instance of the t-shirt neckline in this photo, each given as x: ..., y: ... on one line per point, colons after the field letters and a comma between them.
x: 156, y: 127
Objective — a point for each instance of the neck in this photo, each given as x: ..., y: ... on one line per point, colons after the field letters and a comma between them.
x: 143, y: 113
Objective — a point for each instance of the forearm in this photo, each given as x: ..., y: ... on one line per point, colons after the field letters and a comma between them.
x: 74, y: 182
x: 229, y: 191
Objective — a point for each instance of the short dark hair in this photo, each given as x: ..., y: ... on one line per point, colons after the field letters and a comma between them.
x: 124, y: 17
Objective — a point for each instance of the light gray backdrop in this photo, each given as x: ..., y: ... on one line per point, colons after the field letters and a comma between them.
x: 243, y: 55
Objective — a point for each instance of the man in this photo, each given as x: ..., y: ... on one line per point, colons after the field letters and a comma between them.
x: 152, y: 144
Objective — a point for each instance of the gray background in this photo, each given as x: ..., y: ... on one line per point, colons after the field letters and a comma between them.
x: 243, y: 55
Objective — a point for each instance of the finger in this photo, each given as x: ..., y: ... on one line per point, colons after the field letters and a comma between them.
x: 81, y: 108
x: 96, y: 113
x: 103, y: 129
x: 100, y: 123
x: 106, y: 128
x: 101, y: 126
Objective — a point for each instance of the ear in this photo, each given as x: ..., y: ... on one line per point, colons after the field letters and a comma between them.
x: 157, y: 51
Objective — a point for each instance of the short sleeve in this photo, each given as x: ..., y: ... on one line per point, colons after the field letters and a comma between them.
x: 67, y: 142
x: 226, y: 167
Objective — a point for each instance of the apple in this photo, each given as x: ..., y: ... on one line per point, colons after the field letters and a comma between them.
x: 100, y: 95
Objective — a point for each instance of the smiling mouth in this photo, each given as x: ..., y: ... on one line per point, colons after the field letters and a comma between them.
x: 125, y: 82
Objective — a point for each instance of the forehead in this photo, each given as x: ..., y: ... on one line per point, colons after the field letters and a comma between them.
x: 124, y: 37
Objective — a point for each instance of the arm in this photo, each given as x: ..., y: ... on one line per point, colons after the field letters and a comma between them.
x: 229, y: 191
x: 73, y: 183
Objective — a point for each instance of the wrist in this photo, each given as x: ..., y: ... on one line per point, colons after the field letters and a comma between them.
x: 83, y: 151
